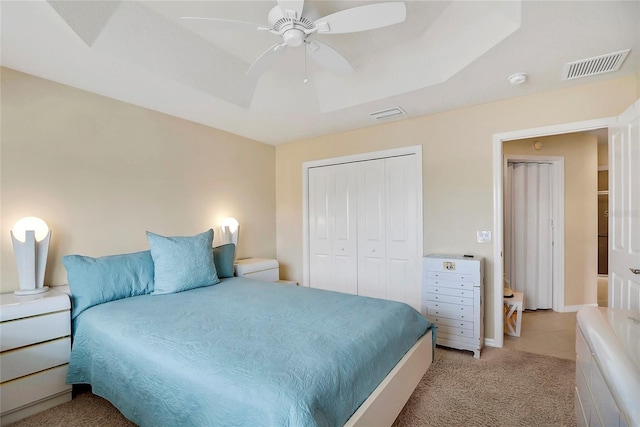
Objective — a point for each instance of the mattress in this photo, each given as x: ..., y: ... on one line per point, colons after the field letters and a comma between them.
x: 241, y: 352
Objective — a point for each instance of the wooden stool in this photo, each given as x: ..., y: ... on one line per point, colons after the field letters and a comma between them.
x: 513, y: 314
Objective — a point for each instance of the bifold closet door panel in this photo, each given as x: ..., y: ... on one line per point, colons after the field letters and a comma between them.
x: 372, y: 212
x: 404, y: 262
x: 332, y: 228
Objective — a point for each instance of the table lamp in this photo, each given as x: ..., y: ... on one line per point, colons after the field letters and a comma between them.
x: 30, y: 237
x: 229, y: 230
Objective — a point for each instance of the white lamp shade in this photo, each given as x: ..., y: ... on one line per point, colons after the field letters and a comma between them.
x: 40, y: 228
x: 30, y: 237
x: 229, y: 231
x: 230, y: 223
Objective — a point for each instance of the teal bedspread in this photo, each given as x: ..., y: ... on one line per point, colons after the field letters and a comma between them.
x: 242, y: 352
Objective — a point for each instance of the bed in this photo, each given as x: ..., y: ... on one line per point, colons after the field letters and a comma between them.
x: 245, y: 352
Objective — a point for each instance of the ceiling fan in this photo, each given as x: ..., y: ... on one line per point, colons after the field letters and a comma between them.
x: 288, y: 20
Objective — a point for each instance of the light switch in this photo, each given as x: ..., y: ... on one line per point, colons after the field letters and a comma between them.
x: 484, y: 236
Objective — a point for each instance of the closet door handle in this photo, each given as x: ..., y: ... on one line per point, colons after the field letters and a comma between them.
x: 635, y: 270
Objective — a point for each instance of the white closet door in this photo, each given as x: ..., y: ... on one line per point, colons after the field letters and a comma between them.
x: 363, y: 229
x: 403, y: 259
x: 332, y: 228
x: 372, y: 269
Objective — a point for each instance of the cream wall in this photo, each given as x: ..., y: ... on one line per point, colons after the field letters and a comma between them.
x: 101, y: 172
x: 603, y: 155
x: 580, y: 153
x: 457, y: 166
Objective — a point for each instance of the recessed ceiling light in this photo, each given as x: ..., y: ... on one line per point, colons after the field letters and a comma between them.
x: 518, y: 78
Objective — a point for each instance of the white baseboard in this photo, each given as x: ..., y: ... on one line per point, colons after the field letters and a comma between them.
x: 490, y: 342
x: 574, y: 308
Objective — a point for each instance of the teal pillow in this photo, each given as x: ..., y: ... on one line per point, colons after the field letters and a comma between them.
x: 95, y: 281
x: 223, y: 256
x: 182, y: 262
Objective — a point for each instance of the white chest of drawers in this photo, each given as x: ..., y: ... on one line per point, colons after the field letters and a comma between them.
x: 607, y: 367
x: 35, y: 343
x: 452, y: 298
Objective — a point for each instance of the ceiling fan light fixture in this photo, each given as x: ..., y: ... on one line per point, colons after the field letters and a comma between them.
x: 293, y: 37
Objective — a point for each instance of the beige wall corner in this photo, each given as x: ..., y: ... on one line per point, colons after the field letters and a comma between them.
x: 101, y: 172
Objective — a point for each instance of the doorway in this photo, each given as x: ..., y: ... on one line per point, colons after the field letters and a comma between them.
x: 498, y: 224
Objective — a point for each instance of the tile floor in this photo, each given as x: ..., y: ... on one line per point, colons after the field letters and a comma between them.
x: 546, y: 332
x: 551, y: 333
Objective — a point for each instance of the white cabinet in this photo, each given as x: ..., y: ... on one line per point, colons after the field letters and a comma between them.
x: 607, y: 367
x: 453, y: 299
x: 363, y: 229
x: 35, y: 343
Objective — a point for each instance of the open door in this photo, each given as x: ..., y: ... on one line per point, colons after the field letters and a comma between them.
x: 624, y: 210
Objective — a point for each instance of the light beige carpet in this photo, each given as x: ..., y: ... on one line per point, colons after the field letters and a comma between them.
x: 502, y: 388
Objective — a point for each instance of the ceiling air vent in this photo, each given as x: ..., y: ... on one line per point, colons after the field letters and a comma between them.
x: 389, y: 112
x: 596, y: 65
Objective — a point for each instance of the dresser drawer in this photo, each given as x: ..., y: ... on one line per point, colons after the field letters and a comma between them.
x: 450, y: 299
x: 26, y: 390
x: 583, y: 355
x: 451, y: 284
x: 451, y: 311
x: 456, y: 292
x: 438, y: 320
x: 35, y: 358
x: 452, y: 330
x: 458, y: 276
x: 31, y: 330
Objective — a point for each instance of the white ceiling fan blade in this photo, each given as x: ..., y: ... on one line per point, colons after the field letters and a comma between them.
x: 265, y: 61
x: 362, y: 18
x: 228, y: 23
x: 291, y: 8
x: 328, y: 57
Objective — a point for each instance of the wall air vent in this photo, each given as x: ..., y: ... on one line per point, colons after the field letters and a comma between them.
x: 389, y: 112
x: 596, y: 65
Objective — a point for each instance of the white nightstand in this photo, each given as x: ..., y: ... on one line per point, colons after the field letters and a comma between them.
x: 35, y: 344
x: 267, y: 270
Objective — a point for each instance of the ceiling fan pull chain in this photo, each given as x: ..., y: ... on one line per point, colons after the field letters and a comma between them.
x: 305, y: 63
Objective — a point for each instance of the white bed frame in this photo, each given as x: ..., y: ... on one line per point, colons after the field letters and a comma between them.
x: 385, y: 403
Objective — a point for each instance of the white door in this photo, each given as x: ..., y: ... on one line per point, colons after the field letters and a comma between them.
x: 529, y: 232
x: 364, y: 228
x: 372, y: 270
x: 388, y: 215
x: 404, y: 260
x: 332, y: 228
x: 624, y: 210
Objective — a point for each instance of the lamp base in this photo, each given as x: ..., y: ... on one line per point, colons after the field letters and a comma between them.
x: 22, y: 292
